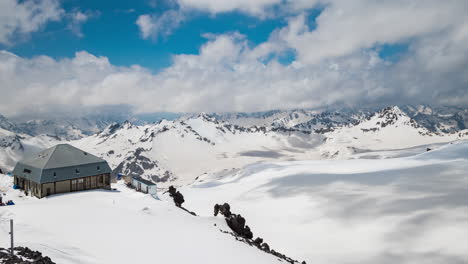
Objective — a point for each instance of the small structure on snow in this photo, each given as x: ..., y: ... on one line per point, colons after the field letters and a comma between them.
x: 143, y: 185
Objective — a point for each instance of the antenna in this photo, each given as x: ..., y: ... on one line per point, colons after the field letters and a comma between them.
x: 11, y: 235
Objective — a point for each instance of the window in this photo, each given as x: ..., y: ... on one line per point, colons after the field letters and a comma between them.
x: 77, y: 171
x: 27, y: 170
x: 98, y: 168
x: 55, y: 174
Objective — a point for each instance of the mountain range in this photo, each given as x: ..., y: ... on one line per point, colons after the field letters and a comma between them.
x: 181, y: 150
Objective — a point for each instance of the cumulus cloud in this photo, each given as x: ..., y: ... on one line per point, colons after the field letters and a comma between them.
x: 330, y: 66
x: 229, y: 75
x: 344, y: 26
x: 24, y: 17
x: 155, y: 26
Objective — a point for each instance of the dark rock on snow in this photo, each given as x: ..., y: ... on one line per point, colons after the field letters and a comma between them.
x: 22, y: 253
x: 242, y: 232
x: 178, y: 199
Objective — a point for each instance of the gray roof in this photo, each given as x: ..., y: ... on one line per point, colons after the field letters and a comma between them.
x: 59, y: 163
x: 146, y: 182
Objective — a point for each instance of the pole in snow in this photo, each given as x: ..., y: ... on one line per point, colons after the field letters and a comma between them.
x: 11, y: 235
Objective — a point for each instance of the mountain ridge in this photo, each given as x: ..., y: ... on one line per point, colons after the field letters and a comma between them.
x: 180, y: 150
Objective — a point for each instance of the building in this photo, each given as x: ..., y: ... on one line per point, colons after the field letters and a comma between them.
x: 61, y: 169
x: 143, y: 185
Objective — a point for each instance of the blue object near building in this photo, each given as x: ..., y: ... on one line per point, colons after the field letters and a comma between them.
x: 119, y: 176
x: 10, y: 203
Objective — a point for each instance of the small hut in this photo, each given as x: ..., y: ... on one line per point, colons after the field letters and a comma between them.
x: 143, y: 185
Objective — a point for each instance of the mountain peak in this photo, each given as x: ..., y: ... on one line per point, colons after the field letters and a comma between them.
x: 206, y: 117
x: 392, y: 110
x: 391, y: 114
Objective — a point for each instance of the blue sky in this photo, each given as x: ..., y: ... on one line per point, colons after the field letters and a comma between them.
x: 230, y: 55
x: 112, y: 32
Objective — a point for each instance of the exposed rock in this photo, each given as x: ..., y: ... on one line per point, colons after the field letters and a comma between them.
x: 176, y: 195
x: 178, y: 199
x: 23, y: 255
x: 242, y: 232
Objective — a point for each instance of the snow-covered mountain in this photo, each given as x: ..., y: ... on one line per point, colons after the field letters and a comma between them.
x: 319, y: 186
x: 439, y: 119
x: 299, y: 118
x: 390, y: 128
x: 445, y: 119
x: 179, y: 151
x: 14, y: 147
x: 7, y: 124
x: 186, y: 148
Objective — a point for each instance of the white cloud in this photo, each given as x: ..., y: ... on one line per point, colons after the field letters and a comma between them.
x: 24, y: 17
x: 332, y: 66
x: 154, y: 26
x: 257, y: 7
x: 146, y: 25
x: 78, y: 18
x: 345, y: 27
x: 228, y: 75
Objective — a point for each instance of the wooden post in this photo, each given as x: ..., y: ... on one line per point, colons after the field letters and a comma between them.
x: 11, y: 235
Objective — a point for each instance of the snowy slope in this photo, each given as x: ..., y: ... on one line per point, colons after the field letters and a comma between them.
x: 403, y: 210
x: 120, y: 226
